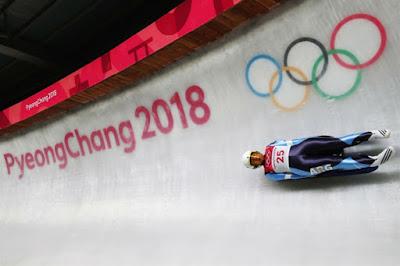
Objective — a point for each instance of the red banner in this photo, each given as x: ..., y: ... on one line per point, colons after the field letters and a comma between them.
x: 183, y: 19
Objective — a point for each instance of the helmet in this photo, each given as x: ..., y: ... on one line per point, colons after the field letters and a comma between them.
x: 246, y: 160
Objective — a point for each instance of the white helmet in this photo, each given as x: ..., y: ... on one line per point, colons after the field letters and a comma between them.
x: 246, y: 160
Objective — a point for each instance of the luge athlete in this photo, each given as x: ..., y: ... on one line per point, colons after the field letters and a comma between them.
x: 318, y: 156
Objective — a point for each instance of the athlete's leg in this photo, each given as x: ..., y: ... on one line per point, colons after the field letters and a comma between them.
x: 306, y: 164
x: 318, y: 146
x: 355, y: 139
x: 356, y: 164
x: 349, y: 172
x: 325, y: 145
x: 329, y: 165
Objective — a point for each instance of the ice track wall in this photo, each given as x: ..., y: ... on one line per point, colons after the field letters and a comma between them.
x: 101, y: 187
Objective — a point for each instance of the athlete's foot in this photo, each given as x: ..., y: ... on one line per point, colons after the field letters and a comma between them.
x: 380, y: 134
x: 383, y: 157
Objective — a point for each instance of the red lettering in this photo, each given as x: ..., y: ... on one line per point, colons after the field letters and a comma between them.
x: 100, y: 146
x: 176, y: 99
x: 280, y: 155
x: 29, y: 160
x: 174, y: 21
x: 100, y: 140
x: 40, y: 162
x: 147, y: 133
x: 21, y: 165
x: 81, y: 140
x: 68, y: 136
x: 107, y: 132
x: 170, y: 121
x: 196, y: 104
x: 4, y: 122
x: 143, y: 45
x: 9, y: 159
x: 49, y: 150
x: 61, y: 155
x: 106, y: 62
x: 79, y: 86
x: 126, y: 126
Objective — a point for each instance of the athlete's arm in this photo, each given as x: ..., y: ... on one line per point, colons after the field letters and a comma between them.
x: 283, y: 176
x: 286, y: 142
x: 275, y: 177
x: 280, y: 142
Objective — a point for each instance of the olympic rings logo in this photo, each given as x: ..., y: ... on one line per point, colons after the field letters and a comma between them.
x: 317, y: 72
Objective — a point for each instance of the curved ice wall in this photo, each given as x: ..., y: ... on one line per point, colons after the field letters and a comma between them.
x: 90, y: 188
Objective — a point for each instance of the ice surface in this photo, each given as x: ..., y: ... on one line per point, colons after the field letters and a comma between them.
x: 184, y: 198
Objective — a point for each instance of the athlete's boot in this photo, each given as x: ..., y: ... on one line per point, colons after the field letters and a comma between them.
x: 383, y: 157
x: 380, y: 134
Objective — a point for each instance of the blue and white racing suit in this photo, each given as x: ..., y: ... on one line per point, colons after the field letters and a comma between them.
x: 316, y: 156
